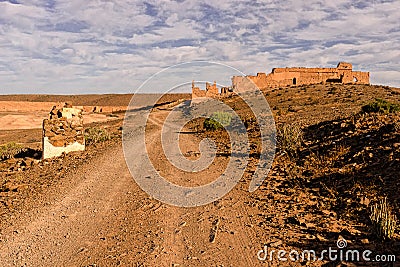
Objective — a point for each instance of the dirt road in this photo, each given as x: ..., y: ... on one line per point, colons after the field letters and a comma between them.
x: 100, y: 217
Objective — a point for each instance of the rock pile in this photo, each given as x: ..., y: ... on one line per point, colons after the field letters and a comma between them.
x: 63, y: 132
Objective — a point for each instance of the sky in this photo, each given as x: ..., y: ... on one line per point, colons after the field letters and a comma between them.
x: 97, y: 46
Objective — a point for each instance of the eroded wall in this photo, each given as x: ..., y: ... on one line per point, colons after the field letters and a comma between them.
x: 63, y: 132
x: 210, y: 91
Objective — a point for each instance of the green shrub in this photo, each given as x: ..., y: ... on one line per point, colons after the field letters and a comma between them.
x: 95, y: 135
x: 10, y: 150
x: 212, y: 125
x: 289, y: 138
x: 217, y: 121
x: 383, y: 220
x: 380, y: 105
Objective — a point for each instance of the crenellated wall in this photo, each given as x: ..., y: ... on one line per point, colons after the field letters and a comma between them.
x: 343, y: 73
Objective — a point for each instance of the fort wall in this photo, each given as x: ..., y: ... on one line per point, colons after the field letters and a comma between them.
x: 210, y: 91
x: 343, y: 73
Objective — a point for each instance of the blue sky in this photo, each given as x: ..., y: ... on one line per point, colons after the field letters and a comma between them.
x: 98, y: 46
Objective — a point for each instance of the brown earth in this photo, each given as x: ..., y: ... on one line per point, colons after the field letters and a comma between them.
x: 86, y: 210
x: 87, y: 100
x: 21, y: 116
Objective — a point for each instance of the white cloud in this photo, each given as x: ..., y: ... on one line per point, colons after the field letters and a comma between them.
x: 112, y: 46
x: 23, y: 16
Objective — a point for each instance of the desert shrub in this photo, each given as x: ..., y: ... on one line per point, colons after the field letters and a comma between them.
x: 397, y: 126
x: 95, y: 135
x: 383, y: 220
x: 10, y: 150
x: 217, y: 121
x: 380, y: 105
x: 224, y: 118
x: 289, y: 138
x: 211, y: 124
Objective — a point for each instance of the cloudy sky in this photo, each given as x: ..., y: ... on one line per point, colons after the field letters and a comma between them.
x: 98, y: 46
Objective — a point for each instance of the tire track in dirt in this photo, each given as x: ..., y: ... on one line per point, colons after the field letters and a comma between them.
x: 62, y: 229
x: 190, y: 242
x: 107, y: 220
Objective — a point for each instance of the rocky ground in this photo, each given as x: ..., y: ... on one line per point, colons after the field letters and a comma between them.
x: 348, y: 159
x: 86, y: 210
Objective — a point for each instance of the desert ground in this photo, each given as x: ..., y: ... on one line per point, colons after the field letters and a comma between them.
x: 85, y: 209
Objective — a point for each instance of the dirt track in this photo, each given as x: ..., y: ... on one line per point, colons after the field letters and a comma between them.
x: 100, y: 216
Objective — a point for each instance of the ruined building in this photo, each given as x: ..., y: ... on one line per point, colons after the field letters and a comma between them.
x: 210, y: 91
x: 63, y: 132
x: 343, y: 73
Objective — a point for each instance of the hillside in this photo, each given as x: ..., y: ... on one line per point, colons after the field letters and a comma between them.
x: 337, y: 163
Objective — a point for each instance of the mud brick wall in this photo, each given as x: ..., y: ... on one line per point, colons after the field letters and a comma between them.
x: 210, y: 91
x: 63, y: 132
x: 343, y: 73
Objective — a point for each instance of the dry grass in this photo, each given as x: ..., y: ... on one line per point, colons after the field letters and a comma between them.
x: 327, y: 160
x: 290, y: 138
x: 384, y: 222
x: 95, y: 135
x: 397, y: 126
x: 9, y: 150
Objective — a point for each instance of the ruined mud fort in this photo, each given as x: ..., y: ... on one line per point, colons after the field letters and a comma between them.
x: 63, y: 131
x: 280, y: 77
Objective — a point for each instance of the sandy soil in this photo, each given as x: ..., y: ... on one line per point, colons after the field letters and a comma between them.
x: 87, y: 100
x: 28, y: 111
x: 18, y: 115
x: 34, y: 120
x: 99, y: 215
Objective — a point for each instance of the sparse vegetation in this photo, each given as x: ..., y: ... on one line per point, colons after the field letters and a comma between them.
x: 95, y: 135
x: 328, y: 159
x: 397, y: 126
x: 211, y: 124
x: 384, y: 222
x: 332, y: 164
x: 381, y: 106
x: 332, y: 90
x: 10, y: 150
x: 217, y: 121
x: 289, y: 138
